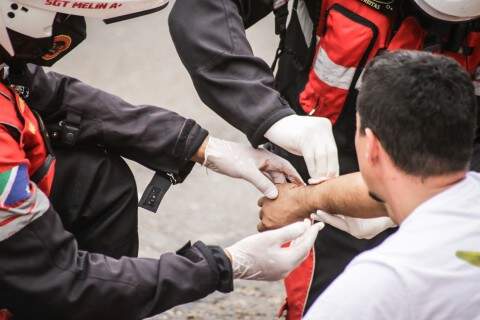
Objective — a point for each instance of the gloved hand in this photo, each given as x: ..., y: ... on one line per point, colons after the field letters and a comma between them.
x: 357, y: 227
x: 258, y: 166
x: 312, y: 138
x: 262, y: 257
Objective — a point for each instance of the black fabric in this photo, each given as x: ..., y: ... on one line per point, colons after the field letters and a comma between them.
x: 213, y: 47
x: 95, y: 194
x: 43, y: 275
x: 154, y: 137
x: 223, y: 265
x: 296, y: 58
x: 68, y: 31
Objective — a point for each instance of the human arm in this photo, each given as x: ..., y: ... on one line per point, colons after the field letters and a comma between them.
x: 346, y: 195
x: 364, y: 291
x: 44, y: 274
x: 210, y: 39
x: 61, y: 282
x: 154, y: 137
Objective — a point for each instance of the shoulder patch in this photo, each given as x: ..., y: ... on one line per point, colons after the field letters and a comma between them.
x: 387, y: 7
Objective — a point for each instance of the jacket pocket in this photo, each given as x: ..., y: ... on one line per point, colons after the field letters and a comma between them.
x: 349, y: 40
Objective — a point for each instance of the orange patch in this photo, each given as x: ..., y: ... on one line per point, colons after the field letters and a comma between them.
x: 61, y: 43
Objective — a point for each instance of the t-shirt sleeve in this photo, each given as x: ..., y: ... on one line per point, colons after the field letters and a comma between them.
x: 364, y: 291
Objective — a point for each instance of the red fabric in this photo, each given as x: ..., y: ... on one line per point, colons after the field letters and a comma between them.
x: 31, y: 150
x: 5, y: 315
x: 297, y: 285
x: 345, y: 42
x: 11, y: 153
x: 410, y: 36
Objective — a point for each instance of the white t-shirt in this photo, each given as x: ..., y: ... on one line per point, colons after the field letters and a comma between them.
x: 429, y: 269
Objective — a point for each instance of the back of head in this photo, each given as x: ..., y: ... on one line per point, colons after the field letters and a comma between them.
x: 422, y: 108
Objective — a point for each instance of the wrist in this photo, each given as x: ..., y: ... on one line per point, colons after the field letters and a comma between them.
x: 199, y: 156
x: 312, y: 198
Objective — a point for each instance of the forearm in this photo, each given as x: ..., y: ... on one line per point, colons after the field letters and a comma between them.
x: 209, y: 36
x: 45, y: 276
x: 155, y: 137
x: 347, y: 195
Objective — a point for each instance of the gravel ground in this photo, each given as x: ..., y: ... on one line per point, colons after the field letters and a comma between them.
x: 137, y: 61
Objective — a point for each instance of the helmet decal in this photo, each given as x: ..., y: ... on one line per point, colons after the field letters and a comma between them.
x: 61, y: 43
x: 44, y: 31
x: 83, y: 4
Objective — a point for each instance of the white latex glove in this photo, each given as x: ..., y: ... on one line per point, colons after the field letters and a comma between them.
x: 357, y: 227
x: 258, y: 166
x: 262, y: 257
x: 312, y: 138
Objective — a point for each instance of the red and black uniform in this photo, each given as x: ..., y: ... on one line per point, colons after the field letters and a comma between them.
x: 68, y: 217
x: 324, y: 51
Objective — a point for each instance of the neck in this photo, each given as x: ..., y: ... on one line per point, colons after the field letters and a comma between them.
x: 404, y: 193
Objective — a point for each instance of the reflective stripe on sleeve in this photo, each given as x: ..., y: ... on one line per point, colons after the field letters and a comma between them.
x: 476, y: 84
x: 14, y: 219
x: 305, y: 22
x: 278, y: 3
x: 331, y: 73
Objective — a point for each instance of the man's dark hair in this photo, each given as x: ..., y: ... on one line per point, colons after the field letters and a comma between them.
x: 422, y: 108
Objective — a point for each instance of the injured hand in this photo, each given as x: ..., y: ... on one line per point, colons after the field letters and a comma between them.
x: 263, y: 256
x: 291, y: 205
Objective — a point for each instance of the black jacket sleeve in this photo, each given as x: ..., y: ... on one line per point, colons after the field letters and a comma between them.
x: 44, y: 276
x: 209, y: 36
x: 154, y: 137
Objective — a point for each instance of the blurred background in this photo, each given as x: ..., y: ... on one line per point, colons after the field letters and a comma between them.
x: 137, y: 61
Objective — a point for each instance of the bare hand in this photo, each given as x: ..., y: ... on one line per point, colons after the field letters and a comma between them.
x: 291, y: 205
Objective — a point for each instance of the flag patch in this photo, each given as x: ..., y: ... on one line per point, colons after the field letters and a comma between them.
x: 14, y: 186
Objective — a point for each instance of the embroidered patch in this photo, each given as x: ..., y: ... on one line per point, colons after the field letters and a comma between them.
x: 384, y: 6
x: 14, y: 186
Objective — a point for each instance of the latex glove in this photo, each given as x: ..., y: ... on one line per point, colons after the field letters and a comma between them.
x: 312, y: 138
x: 258, y: 166
x: 262, y: 257
x: 357, y: 227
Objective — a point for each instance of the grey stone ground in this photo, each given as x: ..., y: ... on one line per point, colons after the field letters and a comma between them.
x: 137, y: 61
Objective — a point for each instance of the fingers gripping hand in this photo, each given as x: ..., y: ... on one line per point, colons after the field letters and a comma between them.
x: 257, y: 166
x: 262, y: 257
x: 312, y: 138
x: 291, y: 205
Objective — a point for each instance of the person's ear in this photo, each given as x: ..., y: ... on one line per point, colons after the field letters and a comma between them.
x: 372, y: 146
